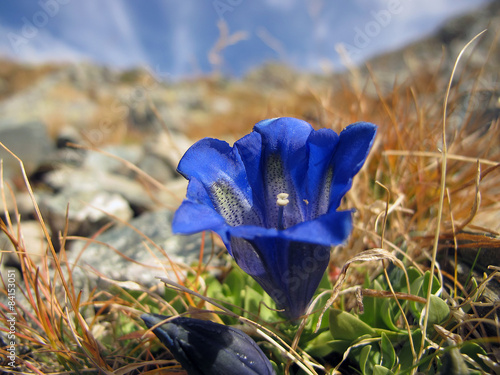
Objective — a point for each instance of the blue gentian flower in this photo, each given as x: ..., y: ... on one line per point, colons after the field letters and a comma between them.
x: 207, y: 348
x: 273, y: 199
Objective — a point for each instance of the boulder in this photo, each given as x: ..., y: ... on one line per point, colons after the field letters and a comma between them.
x: 75, y: 180
x: 85, y: 211
x: 138, y: 252
x: 29, y: 140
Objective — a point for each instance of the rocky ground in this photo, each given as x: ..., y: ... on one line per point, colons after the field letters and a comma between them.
x: 100, y: 146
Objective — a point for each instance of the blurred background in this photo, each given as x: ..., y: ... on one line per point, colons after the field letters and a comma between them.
x: 178, y: 38
x: 100, y: 99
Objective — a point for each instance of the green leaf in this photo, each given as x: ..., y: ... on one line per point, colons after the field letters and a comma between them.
x: 387, y: 314
x: 233, y: 285
x: 405, y: 355
x: 345, y: 326
x: 413, y: 274
x: 364, y: 359
x: 268, y: 309
x: 388, y: 352
x: 323, y: 344
x: 425, y: 284
x: 381, y: 370
x: 371, y: 315
x: 438, y: 311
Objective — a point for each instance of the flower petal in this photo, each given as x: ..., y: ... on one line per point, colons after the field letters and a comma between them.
x: 289, y: 271
x: 353, y: 147
x: 185, y: 218
x: 211, y: 159
x: 289, y: 264
x: 284, y: 166
x: 329, y: 229
x: 220, y: 171
x: 321, y: 144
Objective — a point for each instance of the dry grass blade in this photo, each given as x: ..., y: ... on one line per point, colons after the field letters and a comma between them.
x: 55, y: 312
x: 365, y: 256
x: 444, y: 161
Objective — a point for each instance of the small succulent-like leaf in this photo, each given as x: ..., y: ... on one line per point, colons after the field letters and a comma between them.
x: 371, y: 315
x: 405, y: 356
x: 422, y: 283
x: 388, y: 352
x: 381, y: 370
x: 364, y: 359
x: 345, y: 326
x: 251, y: 299
x: 438, y: 310
x: 387, y: 314
x: 324, y: 344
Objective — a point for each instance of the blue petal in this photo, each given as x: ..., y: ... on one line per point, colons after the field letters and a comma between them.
x: 353, y: 147
x: 296, y: 273
x: 220, y: 171
x: 250, y: 150
x: 210, y: 159
x: 321, y: 144
x: 289, y: 271
x: 289, y: 264
x: 284, y: 166
x: 329, y: 229
x: 187, y: 218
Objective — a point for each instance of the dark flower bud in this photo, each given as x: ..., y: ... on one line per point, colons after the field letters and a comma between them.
x: 207, y: 348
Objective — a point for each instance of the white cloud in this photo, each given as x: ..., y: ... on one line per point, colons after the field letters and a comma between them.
x: 183, y: 43
x: 40, y: 48
x: 103, y: 31
x: 284, y: 5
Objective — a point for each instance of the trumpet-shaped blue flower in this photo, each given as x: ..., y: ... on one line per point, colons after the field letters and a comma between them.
x: 273, y: 199
x: 207, y: 348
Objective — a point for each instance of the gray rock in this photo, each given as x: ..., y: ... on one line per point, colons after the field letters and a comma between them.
x: 162, y: 154
x: 156, y: 167
x: 142, y: 117
x: 44, y: 100
x: 131, y: 153
x: 137, y: 253
x: 88, y: 210
x: 75, y: 180
x: 28, y: 140
x: 169, y: 147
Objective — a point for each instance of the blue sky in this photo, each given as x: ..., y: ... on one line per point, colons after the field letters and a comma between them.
x: 174, y: 37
